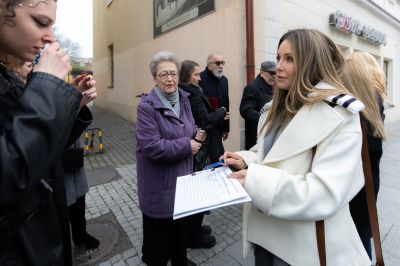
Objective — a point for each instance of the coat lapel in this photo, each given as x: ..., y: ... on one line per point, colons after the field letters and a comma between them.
x: 307, y: 128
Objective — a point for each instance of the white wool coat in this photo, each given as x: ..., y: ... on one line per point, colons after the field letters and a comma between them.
x: 290, y: 189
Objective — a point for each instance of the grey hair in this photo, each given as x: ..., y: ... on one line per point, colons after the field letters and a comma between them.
x: 210, y: 57
x: 164, y: 56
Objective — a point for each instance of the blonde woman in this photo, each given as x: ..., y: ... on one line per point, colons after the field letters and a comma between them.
x: 378, y: 77
x: 363, y: 77
x: 306, y: 165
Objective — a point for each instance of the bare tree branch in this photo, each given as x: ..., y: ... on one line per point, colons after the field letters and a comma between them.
x: 72, y: 48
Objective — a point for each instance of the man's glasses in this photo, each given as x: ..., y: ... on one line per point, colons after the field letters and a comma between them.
x: 219, y: 63
x: 164, y: 75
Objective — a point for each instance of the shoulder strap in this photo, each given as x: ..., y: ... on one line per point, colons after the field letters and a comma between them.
x: 320, y: 230
x: 370, y: 195
x: 319, y: 227
x: 371, y: 203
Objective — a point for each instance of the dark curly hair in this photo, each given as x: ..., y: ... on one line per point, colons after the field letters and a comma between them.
x: 12, y: 3
x: 8, y: 60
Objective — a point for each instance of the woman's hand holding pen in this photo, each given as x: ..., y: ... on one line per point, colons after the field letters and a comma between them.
x: 234, y: 160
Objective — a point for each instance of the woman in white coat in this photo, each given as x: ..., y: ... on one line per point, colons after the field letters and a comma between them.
x: 307, y: 164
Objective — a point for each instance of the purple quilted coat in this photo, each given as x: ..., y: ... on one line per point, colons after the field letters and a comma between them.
x: 163, y: 152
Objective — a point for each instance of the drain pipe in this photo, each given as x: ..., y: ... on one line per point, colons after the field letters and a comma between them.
x: 250, y: 67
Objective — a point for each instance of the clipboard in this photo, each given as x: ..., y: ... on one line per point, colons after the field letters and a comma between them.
x: 207, y: 190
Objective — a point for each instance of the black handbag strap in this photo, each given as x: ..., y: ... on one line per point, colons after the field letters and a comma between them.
x: 371, y: 203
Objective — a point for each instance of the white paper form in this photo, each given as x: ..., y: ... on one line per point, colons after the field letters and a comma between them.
x: 206, y: 190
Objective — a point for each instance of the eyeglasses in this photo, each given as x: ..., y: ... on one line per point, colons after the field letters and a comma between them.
x: 164, y: 75
x: 218, y: 63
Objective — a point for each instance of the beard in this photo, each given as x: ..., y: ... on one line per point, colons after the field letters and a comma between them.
x: 217, y: 73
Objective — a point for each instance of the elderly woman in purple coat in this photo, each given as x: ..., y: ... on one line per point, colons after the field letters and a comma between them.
x: 167, y: 139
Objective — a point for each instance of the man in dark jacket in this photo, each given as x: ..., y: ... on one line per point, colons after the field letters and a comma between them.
x: 215, y: 87
x: 255, y: 95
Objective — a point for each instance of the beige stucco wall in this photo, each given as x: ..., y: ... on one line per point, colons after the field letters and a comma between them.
x: 129, y: 27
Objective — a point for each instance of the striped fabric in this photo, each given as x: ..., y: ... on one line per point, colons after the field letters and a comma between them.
x: 349, y: 102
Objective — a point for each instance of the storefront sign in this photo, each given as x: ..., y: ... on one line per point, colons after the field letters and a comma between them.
x: 351, y: 25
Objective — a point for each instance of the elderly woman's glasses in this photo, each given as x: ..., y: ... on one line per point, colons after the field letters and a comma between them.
x: 164, y: 75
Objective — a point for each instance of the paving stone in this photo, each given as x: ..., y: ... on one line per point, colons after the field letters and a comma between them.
x: 134, y: 261
x: 106, y: 263
x: 116, y: 258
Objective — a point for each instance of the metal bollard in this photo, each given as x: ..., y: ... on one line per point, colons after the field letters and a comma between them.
x: 89, y: 144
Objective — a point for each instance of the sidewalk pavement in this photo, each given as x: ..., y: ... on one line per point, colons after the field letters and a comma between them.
x: 119, y: 197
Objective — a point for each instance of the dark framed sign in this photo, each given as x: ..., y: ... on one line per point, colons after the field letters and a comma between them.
x: 169, y: 14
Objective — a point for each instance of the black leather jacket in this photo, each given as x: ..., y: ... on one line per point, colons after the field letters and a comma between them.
x: 35, y: 126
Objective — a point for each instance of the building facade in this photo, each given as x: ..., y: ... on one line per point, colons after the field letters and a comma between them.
x: 128, y: 33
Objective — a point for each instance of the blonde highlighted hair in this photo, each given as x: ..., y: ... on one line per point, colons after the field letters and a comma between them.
x: 361, y: 75
x: 377, y: 75
x: 316, y: 58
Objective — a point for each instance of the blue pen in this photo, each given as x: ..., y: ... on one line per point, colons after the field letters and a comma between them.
x: 214, y: 165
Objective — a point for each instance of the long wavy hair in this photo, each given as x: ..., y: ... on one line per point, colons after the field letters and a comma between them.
x: 358, y: 77
x: 316, y: 58
x: 376, y: 71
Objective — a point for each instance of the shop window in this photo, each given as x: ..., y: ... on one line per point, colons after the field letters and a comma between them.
x: 385, y: 70
x: 111, y: 64
x: 388, y: 70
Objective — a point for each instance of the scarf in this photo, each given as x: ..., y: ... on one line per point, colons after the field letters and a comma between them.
x: 169, y: 100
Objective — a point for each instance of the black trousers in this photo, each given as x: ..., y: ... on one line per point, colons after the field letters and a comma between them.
x: 195, y: 226
x: 164, y: 240
x: 77, y: 218
x: 265, y: 258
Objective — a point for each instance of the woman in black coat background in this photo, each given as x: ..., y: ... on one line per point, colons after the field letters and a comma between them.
x: 203, y: 114
x: 363, y: 77
x: 210, y: 121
